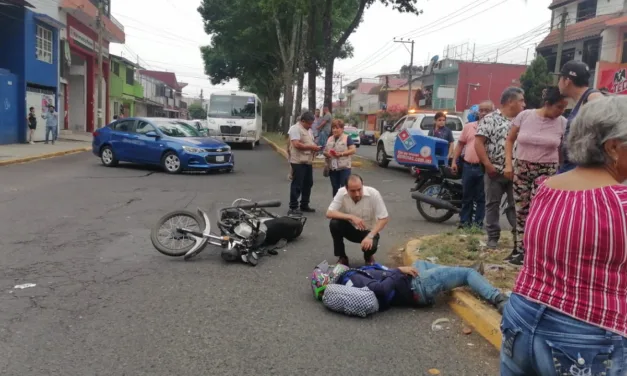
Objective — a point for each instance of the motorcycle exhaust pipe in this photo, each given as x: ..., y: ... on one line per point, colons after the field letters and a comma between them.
x: 436, y: 202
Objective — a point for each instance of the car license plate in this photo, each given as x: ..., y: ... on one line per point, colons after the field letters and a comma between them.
x: 220, y: 158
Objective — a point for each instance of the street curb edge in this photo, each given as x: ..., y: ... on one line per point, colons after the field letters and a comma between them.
x: 483, y: 318
x: 316, y: 164
x: 43, y: 156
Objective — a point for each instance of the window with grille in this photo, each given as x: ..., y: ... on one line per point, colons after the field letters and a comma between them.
x: 44, y: 44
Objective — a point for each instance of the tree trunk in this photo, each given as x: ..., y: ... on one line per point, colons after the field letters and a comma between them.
x: 332, y: 51
x: 300, y: 71
x: 288, y: 55
x: 328, y: 83
x: 327, y: 30
x: 288, y: 99
x: 312, y: 69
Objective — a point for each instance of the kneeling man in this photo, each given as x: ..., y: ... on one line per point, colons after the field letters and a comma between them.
x: 357, y: 214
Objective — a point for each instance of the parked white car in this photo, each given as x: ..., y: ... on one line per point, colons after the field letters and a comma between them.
x: 423, y: 121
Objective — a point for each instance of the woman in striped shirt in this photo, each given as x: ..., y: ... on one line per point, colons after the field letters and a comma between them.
x: 568, y: 312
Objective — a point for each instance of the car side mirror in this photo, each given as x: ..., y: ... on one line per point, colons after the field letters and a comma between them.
x: 152, y: 134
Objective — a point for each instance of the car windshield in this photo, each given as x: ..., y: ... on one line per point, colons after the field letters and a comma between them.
x: 452, y: 123
x: 177, y: 129
x: 231, y: 106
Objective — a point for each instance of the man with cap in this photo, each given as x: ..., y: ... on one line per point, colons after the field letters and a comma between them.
x: 52, y: 123
x: 574, y: 81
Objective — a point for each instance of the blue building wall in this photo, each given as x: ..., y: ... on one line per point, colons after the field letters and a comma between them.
x: 37, y: 71
x: 18, y: 41
x: 12, y: 47
x: 12, y: 40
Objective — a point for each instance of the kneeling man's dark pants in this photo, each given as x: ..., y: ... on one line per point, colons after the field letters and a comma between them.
x: 341, y: 230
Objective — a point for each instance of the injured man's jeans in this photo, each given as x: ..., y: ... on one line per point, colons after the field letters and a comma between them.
x: 434, y: 279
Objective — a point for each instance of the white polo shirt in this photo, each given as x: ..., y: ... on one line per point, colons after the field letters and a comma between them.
x: 370, y: 208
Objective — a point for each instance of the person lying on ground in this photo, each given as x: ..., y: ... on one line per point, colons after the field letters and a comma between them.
x: 420, y: 284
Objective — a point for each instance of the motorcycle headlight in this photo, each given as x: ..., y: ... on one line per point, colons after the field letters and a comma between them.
x: 193, y: 150
x: 243, y: 230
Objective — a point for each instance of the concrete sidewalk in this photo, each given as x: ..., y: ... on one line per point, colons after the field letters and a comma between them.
x: 20, y: 153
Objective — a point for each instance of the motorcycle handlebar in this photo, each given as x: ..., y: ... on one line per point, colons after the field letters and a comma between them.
x: 261, y: 204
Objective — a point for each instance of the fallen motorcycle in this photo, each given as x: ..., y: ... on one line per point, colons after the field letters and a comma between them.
x: 247, y: 231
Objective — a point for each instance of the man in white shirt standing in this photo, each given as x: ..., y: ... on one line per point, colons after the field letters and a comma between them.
x: 357, y: 214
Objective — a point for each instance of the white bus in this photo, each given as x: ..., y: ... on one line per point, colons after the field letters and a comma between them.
x: 235, y: 117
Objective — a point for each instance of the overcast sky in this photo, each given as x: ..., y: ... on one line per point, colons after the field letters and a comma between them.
x: 166, y: 35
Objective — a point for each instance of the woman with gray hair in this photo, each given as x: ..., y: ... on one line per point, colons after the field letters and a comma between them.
x: 568, y: 311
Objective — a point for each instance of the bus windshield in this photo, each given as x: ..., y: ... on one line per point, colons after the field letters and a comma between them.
x: 231, y: 106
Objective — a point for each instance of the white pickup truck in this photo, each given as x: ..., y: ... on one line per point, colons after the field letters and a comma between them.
x: 423, y: 121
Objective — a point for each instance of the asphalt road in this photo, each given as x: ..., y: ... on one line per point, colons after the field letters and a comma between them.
x: 107, y: 303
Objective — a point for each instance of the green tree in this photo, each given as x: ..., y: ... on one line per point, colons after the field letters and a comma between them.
x: 535, y: 79
x: 196, y: 111
x: 332, y: 48
x: 248, y: 46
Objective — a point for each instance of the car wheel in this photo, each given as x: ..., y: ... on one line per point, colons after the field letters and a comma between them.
x: 107, y: 157
x: 171, y: 163
x: 382, y: 158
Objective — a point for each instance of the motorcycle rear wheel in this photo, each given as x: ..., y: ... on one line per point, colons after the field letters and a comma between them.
x: 421, y: 206
x: 163, y: 231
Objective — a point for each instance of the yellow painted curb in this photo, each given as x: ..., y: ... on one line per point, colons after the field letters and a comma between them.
x: 484, y: 319
x: 316, y: 163
x: 43, y: 156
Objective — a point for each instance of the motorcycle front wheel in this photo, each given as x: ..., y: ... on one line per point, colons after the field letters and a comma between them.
x: 167, y: 240
x: 428, y: 211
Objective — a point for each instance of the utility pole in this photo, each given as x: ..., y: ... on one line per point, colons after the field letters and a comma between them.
x: 473, y: 51
x: 527, y: 57
x: 340, y: 76
x: 99, y: 69
x: 411, y: 68
x: 496, y: 59
x: 560, y: 45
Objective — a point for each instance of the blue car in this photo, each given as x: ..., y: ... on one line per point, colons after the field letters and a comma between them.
x: 171, y: 143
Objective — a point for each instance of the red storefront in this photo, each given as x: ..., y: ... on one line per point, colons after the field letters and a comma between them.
x: 613, y: 78
x: 83, y: 43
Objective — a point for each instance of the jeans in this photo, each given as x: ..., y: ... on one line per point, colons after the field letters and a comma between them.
x: 538, y: 341
x: 341, y: 230
x: 473, y: 193
x: 53, y: 131
x: 434, y: 279
x: 302, y: 181
x: 323, y: 136
x: 338, y: 179
x: 495, y: 188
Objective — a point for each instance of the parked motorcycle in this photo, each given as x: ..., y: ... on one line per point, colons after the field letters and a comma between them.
x: 247, y: 231
x: 440, y: 190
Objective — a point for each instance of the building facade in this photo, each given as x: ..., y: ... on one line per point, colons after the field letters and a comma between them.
x: 596, y: 33
x: 81, y: 59
x: 29, y: 73
x: 454, y: 85
x: 125, y: 89
x: 163, y: 88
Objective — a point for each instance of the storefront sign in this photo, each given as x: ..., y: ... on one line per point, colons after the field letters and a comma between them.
x: 614, y: 80
x: 85, y: 41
